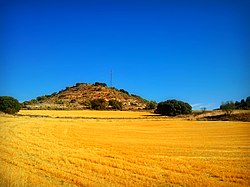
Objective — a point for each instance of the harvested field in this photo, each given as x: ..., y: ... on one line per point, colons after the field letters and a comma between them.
x: 134, y: 151
x: 91, y: 114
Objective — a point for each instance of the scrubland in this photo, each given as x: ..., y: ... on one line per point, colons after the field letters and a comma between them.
x: 128, y: 149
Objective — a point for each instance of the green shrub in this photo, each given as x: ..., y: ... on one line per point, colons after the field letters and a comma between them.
x: 79, y: 83
x: 73, y: 101
x: 151, y: 105
x: 86, y: 103
x: 139, y: 98
x: 54, y: 94
x: 124, y: 91
x: 9, y: 105
x: 60, y: 102
x: 116, y: 105
x: 173, y: 108
x: 100, y: 84
x: 40, y: 98
x: 24, y: 104
x: 98, y: 104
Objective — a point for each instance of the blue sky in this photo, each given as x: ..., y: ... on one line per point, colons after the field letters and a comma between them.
x: 195, y: 51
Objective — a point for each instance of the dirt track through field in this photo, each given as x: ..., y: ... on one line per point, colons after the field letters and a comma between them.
x: 126, y: 152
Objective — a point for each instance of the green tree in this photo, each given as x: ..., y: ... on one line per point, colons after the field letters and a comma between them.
x: 228, y: 107
x: 9, y: 105
x: 173, y: 108
x: 248, y: 103
x: 203, y: 109
x: 243, y: 104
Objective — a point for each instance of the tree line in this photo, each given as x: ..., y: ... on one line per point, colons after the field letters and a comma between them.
x: 171, y: 107
x: 229, y: 106
x: 167, y: 108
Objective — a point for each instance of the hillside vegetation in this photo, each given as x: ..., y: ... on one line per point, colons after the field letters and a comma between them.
x: 88, y: 96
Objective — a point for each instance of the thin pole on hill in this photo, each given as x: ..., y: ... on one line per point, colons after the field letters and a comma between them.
x: 111, y: 79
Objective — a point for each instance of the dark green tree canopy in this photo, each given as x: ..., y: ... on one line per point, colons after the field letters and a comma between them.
x: 173, y: 108
x: 9, y: 105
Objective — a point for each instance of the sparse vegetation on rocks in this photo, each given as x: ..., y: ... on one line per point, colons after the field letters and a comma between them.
x: 124, y: 91
x: 115, y: 105
x: 100, y: 84
x: 81, y: 95
x: 98, y: 104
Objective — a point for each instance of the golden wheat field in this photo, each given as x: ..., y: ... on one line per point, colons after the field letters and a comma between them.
x: 131, y: 151
x: 91, y: 114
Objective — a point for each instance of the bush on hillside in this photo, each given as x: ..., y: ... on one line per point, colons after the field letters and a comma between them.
x: 53, y: 94
x: 86, y: 103
x: 98, y: 104
x: 115, y: 105
x: 41, y: 98
x: 124, y: 91
x: 100, y: 84
x: 9, y: 105
x: 79, y: 83
x: 139, y: 98
x: 173, y: 108
x: 151, y: 105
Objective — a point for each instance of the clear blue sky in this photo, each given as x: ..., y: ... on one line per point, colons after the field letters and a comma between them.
x: 195, y: 51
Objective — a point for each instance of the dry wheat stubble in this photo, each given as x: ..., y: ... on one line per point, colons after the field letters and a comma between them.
x: 123, y: 152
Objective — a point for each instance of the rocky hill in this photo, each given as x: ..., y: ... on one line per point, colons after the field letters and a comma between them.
x: 82, y: 95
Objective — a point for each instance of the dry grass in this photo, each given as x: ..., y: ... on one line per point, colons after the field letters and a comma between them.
x: 122, y: 152
x: 86, y: 113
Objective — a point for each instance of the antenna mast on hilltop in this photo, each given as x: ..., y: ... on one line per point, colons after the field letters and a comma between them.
x: 111, y: 78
